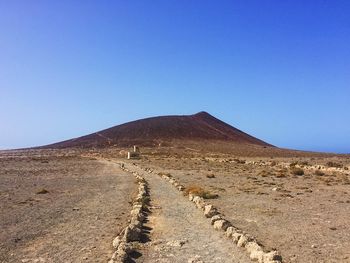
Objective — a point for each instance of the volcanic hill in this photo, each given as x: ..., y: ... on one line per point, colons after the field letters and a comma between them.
x: 156, y: 130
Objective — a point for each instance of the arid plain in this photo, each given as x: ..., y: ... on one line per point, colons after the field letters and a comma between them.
x: 195, y: 190
x: 68, y: 205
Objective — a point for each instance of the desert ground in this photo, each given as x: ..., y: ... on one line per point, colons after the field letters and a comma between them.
x: 59, y: 207
x: 68, y: 205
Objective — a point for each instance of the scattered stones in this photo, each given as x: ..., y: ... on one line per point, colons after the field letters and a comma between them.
x: 177, y: 243
x: 255, y: 250
x: 132, y: 233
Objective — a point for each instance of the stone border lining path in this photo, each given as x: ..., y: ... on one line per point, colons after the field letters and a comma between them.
x: 255, y: 250
x: 123, y: 243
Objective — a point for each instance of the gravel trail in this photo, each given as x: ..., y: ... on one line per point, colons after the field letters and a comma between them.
x: 180, y: 232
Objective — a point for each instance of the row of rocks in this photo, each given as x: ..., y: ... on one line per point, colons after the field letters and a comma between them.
x: 124, y: 243
x: 256, y: 250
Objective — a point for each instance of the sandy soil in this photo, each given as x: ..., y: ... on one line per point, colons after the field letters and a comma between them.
x: 305, y: 217
x: 67, y: 206
x: 84, y: 208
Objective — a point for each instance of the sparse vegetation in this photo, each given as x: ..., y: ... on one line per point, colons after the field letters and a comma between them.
x: 239, y: 161
x: 199, y: 191
x: 297, y: 171
x: 292, y: 164
x: 319, y: 173
x: 167, y: 174
x: 334, y: 164
x: 263, y: 173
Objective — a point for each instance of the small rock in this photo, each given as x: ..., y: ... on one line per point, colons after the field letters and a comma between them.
x: 257, y: 255
x: 236, y: 237
x: 215, y: 218
x: 229, y: 231
x: 176, y: 243
x: 242, y: 241
x: 210, y: 211
x: 132, y: 233
x: 272, y: 257
x: 116, y: 242
x: 221, y: 224
x: 181, y: 188
x: 253, y: 246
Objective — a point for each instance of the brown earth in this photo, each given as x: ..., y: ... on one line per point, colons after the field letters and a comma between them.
x: 305, y: 217
x: 68, y: 205
x: 59, y: 207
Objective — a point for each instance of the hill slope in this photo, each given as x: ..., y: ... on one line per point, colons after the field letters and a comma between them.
x: 152, y: 131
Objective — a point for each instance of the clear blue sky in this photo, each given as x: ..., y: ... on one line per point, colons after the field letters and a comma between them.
x: 279, y: 70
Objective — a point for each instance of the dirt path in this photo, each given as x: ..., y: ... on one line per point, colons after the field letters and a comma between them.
x: 180, y: 232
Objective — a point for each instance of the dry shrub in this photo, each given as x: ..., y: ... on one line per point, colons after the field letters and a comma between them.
x: 166, y: 174
x: 210, y: 176
x: 199, y: 191
x: 263, y: 173
x: 281, y: 174
x: 334, y: 164
x: 239, y: 161
x: 319, y: 173
x: 292, y: 164
x: 297, y: 171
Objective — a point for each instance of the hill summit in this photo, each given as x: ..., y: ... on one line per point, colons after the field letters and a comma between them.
x: 153, y: 131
